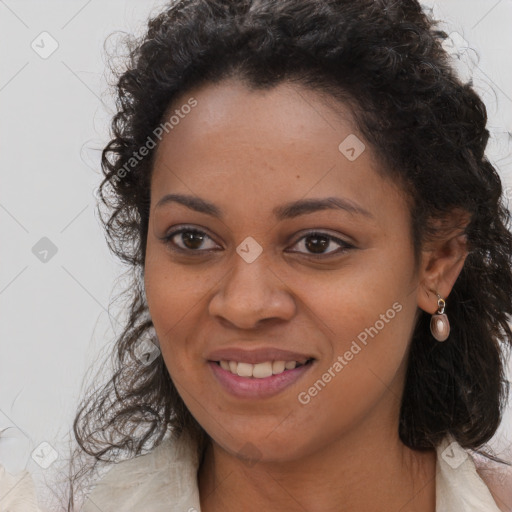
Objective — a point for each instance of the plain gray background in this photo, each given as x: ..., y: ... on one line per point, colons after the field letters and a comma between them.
x: 54, y: 115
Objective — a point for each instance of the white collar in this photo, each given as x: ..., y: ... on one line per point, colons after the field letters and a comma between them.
x: 458, y: 485
x: 166, y: 478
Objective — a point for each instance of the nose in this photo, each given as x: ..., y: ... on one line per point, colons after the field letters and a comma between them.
x: 252, y: 294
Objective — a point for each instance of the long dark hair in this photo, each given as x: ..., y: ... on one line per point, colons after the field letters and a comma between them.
x: 384, y: 58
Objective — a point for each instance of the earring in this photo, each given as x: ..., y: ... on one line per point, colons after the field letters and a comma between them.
x: 439, y: 324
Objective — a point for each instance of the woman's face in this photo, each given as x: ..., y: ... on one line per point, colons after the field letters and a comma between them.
x: 246, y: 278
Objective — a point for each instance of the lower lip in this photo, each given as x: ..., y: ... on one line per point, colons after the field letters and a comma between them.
x: 251, y: 387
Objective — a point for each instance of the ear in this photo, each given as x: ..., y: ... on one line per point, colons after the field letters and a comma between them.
x: 442, y: 260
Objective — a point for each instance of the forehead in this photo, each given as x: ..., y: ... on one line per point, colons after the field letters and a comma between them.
x: 247, y: 149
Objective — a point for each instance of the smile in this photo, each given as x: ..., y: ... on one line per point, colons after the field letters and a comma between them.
x: 260, y: 370
x: 260, y: 380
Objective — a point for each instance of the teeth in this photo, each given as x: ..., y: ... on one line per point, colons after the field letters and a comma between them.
x: 262, y: 370
x: 259, y: 370
x: 244, y: 369
x: 278, y: 367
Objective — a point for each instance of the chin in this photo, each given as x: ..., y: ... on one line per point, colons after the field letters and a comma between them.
x: 253, y: 446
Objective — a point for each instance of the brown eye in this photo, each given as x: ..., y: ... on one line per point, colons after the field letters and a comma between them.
x: 189, y: 240
x: 317, y: 244
x: 192, y: 239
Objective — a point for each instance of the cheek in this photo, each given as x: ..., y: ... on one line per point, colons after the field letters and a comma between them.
x: 175, y: 297
x: 173, y: 290
x: 363, y: 375
x: 367, y: 314
x: 345, y: 303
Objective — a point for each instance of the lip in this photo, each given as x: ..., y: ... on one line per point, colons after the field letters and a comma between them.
x: 253, y: 388
x: 255, y: 356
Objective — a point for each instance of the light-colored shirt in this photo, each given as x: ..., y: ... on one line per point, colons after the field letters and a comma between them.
x: 166, y: 479
x: 17, y: 492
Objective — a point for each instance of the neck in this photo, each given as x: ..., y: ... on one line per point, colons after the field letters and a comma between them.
x: 367, y: 469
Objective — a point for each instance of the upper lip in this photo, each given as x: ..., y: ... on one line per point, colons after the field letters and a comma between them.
x: 260, y: 355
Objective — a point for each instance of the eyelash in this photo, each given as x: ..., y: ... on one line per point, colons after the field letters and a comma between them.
x: 167, y: 239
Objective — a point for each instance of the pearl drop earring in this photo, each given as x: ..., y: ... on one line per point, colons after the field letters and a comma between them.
x: 439, y: 324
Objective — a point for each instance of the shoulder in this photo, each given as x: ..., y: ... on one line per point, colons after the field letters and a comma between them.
x: 498, y: 478
x: 460, y: 486
x: 149, y: 482
x: 17, y: 492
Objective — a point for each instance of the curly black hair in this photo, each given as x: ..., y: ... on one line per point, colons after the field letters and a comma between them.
x: 385, y: 60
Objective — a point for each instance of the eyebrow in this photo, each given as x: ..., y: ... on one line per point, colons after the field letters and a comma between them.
x: 286, y: 211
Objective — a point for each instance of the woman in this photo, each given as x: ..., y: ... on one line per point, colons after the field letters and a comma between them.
x: 321, y: 267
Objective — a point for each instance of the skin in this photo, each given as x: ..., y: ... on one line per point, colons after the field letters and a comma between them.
x: 249, y: 152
